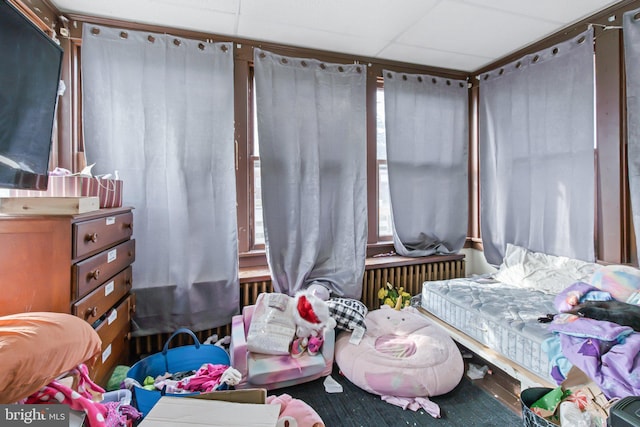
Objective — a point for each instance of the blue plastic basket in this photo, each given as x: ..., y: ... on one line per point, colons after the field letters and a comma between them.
x: 178, y: 359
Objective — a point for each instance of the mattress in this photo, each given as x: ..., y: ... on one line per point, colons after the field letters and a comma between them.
x: 502, y: 317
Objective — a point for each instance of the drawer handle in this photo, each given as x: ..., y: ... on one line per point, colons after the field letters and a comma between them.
x: 129, y: 226
x: 93, y: 237
x: 94, y: 274
x: 91, y: 312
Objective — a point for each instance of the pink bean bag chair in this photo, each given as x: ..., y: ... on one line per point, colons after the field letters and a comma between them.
x: 402, y: 354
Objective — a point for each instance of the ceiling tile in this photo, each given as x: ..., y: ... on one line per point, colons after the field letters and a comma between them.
x: 563, y: 12
x: 380, y: 19
x: 217, y: 17
x: 433, y: 57
x: 254, y: 27
x: 124, y: 7
x: 226, y: 6
x: 468, y: 29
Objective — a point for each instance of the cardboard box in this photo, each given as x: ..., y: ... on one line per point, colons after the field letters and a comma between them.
x: 248, y: 395
x: 48, y: 205
x: 235, y: 408
x: 108, y: 191
x: 62, y: 186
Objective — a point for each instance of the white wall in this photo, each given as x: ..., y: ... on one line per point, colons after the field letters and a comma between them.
x: 475, y: 262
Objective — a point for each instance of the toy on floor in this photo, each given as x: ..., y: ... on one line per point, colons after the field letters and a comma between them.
x: 394, y: 298
x: 311, y: 315
x: 295, y: 412
x: 269, y: 370
x: 403, y: 357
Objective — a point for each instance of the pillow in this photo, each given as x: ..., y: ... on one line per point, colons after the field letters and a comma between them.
x: 348, y: 313
x: 272, y: 325
x: 622, y: 282
x: 38, y: 347
x: 548, y: 273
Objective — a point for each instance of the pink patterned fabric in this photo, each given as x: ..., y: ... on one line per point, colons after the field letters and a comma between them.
x: 269, y: 369
x: 414, y: 403
x: 80, y: 400
x: 396, y: 346
x: 402, y: 354
x: 206, y: 379
x: 114, y: 417
x: 620, y: 281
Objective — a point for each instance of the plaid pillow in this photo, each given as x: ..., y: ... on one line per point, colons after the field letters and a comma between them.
x: 348, y: 313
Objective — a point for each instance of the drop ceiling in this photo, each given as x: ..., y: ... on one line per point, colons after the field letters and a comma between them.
x: 463, y: 35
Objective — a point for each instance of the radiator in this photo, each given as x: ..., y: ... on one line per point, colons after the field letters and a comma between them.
x: 409, y: 277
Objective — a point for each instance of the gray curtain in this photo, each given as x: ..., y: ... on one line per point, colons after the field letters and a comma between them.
x: 311, y: 127
x: 159, y: 110
x: 537, y: 153
x: 427, y: 122
x: 631, y: 31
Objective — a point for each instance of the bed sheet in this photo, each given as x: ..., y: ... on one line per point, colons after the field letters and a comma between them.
x: 500, y: 316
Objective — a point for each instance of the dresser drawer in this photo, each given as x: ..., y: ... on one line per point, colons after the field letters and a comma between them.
x: 115, y: 321
x: 98, y: 234
x: 94, y: 305
x: 114, y: 334
x: 96, y: 270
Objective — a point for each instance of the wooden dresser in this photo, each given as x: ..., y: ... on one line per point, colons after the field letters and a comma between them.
x: 79, y: 264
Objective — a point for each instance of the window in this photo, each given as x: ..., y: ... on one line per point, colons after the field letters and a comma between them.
x: 384, y: 200
x: 254, y: 159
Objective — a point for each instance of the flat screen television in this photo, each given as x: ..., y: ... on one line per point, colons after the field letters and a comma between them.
x: 30, y: 63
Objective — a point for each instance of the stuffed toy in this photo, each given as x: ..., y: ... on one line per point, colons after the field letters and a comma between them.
x: 394, y: 298
x: 311, y: 314
x: 295, y: 412
x: 318, y: 289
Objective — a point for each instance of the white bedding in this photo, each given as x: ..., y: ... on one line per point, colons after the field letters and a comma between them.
x: 548, y: 273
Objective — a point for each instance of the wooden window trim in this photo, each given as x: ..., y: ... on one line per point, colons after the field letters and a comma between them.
x: 261, y: 273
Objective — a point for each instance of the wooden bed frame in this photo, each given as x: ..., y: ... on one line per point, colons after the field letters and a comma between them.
x: 525, y: 377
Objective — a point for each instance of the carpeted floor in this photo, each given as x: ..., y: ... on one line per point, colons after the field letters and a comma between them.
x: 466, y: 405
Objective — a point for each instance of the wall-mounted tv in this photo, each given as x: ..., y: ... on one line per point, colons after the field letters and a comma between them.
x: 30, y: 63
